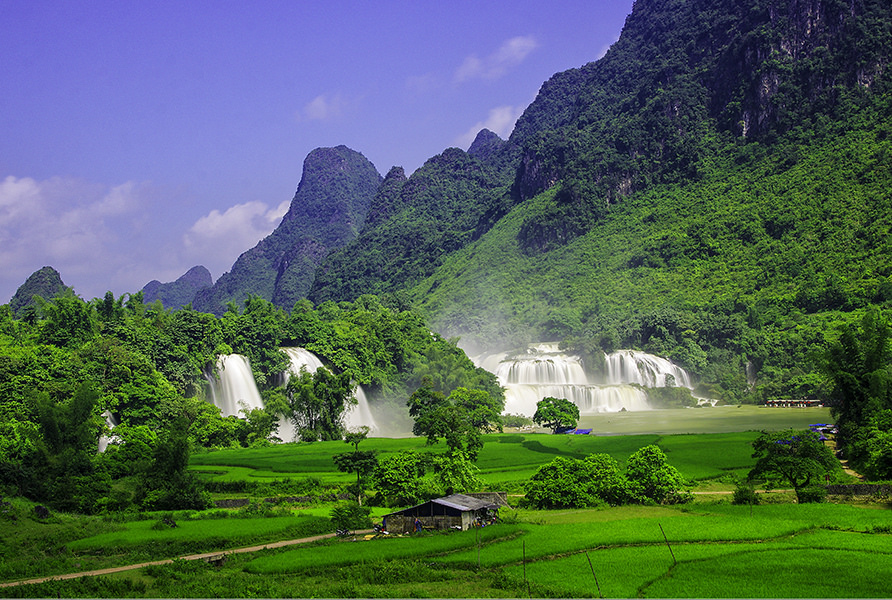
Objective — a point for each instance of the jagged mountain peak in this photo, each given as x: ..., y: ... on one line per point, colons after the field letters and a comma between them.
x: 328, y: 209
x: 178, y: 293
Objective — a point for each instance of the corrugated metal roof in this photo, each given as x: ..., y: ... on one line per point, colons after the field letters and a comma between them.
x: 462, y: 502
x: 457, y: 501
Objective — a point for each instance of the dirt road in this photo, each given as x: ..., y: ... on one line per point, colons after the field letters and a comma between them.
x: 203, y: 556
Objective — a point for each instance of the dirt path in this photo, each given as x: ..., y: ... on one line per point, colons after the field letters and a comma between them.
x: 203, y: 556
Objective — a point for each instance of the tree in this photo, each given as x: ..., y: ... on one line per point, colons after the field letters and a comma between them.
x: 349, y: 516
x: 398, y: 478
x: 796, y: 458
x: 859, y: 364
x: 317, y: 403
x: 556, y: 413
x: 168, y: 484
x: 361, y: 462
x: 456, y: 473
x: 652, y: 477
x: 563, y: 483
x: 458, y: 419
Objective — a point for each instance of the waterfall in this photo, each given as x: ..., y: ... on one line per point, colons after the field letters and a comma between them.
x: 631, y: 366
x: 111, y: 422
x: 302, y: 358
x: 234, y: 388
x: 543, y: 370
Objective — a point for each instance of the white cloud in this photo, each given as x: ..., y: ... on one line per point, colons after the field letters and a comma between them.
x: 77, y: 227
x: 102, y: 237
x: 225, y: 235
x: 324, y: 107
x: 500, y: 121
x: 509, y: 55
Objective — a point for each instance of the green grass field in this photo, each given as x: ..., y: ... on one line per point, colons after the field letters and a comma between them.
x: 506, y: 461
x: 702, y: 443
x: 714, y: 549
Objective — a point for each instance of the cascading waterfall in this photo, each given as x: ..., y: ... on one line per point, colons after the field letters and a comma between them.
x: 544, y: 370
x: 631, y: 366
x: 234, y: 389
x: 358, y: 415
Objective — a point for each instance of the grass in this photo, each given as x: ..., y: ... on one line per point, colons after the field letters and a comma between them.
x: 506, y: 461
x: 768, y: 550
x: 340, y: 553
x: 208, y: 534
x: 721, y: 551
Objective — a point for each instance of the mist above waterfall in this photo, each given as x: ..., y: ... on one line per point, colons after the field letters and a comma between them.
x: 543, y: 370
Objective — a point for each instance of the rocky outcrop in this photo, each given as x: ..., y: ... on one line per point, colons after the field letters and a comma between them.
x: 45, y: 282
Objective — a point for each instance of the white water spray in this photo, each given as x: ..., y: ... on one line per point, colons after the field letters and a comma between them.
x: 234, y: 388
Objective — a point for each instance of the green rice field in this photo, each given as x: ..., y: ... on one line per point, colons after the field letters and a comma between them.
x: 508, y: 459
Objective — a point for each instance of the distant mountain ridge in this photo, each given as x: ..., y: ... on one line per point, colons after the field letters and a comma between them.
x: 715, y: 189
x: 181, y: 292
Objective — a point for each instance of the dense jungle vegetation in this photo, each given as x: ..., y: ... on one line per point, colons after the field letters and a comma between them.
x: 68, y: 362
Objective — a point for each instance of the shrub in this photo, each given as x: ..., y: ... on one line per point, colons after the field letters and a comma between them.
x: 349, y: 516
x: 653, y: 478
x: 745, y: 494
x: 810, y: 494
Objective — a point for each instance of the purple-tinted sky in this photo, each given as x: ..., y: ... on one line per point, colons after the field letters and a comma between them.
x: 139, y: 138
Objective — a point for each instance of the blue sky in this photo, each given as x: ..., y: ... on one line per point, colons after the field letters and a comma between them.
x: 139, y: 138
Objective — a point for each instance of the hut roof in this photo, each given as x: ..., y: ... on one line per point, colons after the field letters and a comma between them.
x: 459, y: 502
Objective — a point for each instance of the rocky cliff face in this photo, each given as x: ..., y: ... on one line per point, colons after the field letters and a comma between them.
x: 328, y: 210
x: 684, y: 78
x: 181, y: 292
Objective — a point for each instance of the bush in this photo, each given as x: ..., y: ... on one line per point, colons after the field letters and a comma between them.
x: 811, y: 494
x: 745, y: 494
x: 653, y: 478
x: 349, y: 516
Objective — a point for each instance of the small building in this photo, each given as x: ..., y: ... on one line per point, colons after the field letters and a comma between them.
x: 458, y: 511
x: 793, y: 403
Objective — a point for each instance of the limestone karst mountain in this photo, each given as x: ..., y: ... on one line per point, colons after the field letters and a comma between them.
x: 328, y: 210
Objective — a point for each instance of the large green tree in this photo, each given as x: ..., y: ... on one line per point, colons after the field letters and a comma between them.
x: 795, y: 458
x: 859, y: 364
x: 556, y: 413
x: 317, y: 403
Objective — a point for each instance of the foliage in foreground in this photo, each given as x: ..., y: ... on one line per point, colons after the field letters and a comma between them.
x: 795, y: 458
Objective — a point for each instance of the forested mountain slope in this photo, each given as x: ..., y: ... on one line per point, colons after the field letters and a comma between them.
x: 415, y: 222
x: 179, y: 293
x: 44, y: 282
x: 714, y: 189
x: 328, y: 210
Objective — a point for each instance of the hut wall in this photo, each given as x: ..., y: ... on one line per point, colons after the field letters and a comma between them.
x: 406, y: 524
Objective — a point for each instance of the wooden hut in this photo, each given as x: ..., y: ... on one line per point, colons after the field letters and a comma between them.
x: 458, y: 511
